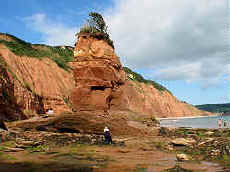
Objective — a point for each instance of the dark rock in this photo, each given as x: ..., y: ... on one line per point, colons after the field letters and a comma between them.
x: 177, y: 168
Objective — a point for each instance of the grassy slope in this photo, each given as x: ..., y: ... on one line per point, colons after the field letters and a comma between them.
x: 21, y: 48
x: 137, y: 77
x: 215, y: 108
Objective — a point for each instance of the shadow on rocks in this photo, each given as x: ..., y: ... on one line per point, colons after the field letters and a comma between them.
x: 177, y: 168
x: 35, y: 167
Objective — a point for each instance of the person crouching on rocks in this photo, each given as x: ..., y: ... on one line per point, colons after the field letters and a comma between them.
x: 108, y: 138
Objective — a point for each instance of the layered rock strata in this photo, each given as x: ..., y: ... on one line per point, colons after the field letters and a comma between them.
x: 9, y: 109
x: 36, y: 84
x: 144, y: 98
x: 98, y: 74
x: 97, y: 82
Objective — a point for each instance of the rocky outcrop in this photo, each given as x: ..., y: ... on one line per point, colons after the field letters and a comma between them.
x: 80, y: 122
x: 98, y: 74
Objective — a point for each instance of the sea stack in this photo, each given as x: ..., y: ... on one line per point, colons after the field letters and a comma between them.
x: 98, y: 74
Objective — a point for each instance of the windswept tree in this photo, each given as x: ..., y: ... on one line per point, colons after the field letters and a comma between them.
x: 96, y: 26
x: 96, y: 20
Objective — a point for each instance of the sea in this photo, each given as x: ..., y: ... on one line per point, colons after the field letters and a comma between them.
x: 195, y: 122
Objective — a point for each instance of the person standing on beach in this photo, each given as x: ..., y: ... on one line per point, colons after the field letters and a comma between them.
x: 219, y: 123
x: 225, y: 123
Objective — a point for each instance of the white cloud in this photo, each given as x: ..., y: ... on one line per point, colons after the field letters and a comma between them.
x: 179, y: 40
x: 195, y: 72
x: 53, y: 32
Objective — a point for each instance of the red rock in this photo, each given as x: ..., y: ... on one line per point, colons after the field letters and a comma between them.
x: 97, y: 82
x: 50, y: 85
x: 97, y: 72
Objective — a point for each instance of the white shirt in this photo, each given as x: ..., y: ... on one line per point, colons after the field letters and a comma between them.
x: 106, y: 129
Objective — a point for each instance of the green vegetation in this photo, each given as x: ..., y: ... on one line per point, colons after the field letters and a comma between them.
x: 21, y: 48
x: 40, y: 148
x: 177, y: 168
x: 159, y: 145
x: 141, y: 169
x: 27, y: 86
x: 96, y: 20
x: 154, y: 120
x: 215, y: 108
x: 96, y: 27
x: 137, y: 77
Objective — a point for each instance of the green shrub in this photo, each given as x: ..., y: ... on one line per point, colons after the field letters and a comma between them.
x: 88, y: 29
x: 96, y: 20
x: 96, y: 27
x: 21, y: 48
x: 137, y: 77
x: 153, y: 119
x: 27, y: 86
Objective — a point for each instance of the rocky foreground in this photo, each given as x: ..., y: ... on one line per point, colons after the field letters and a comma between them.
x: 143, y: 147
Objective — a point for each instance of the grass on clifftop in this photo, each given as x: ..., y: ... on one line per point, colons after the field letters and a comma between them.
x: 137, y: 77
x: 96, y: 34
x: 96, y: 27
x: 21, y: 48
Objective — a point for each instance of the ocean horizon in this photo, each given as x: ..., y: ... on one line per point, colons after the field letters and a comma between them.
x: 210, y: 122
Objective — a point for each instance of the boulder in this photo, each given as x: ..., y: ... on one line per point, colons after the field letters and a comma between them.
x: 206, y: 141
x: 183, y: 142
x: 209, y: 133
x: 182, y: 157
x: 8, y: 149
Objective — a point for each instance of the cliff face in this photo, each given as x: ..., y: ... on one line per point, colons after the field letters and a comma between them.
x: 97, y: 82
x: 9, y: 109
x: 146, y: 99
x: 37, y: 84
x: 101, y: 84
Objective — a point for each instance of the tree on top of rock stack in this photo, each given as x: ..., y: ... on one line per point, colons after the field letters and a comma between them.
x: 96, y: 20
x: 96, y: 27
x: 97, y: 70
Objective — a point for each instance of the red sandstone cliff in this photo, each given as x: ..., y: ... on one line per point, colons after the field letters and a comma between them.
x: 9, y: 109
x: 36, y: 84
x: 99, y: 83
x: 146, y: 99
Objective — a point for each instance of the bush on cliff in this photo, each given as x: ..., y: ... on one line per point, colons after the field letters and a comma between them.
x: 97, y: 28
x: 21, y: 48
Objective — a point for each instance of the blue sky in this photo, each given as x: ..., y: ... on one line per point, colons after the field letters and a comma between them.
x: 181, y: 44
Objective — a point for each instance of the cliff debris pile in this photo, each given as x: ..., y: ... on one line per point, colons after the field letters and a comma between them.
x: 98, y: 75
